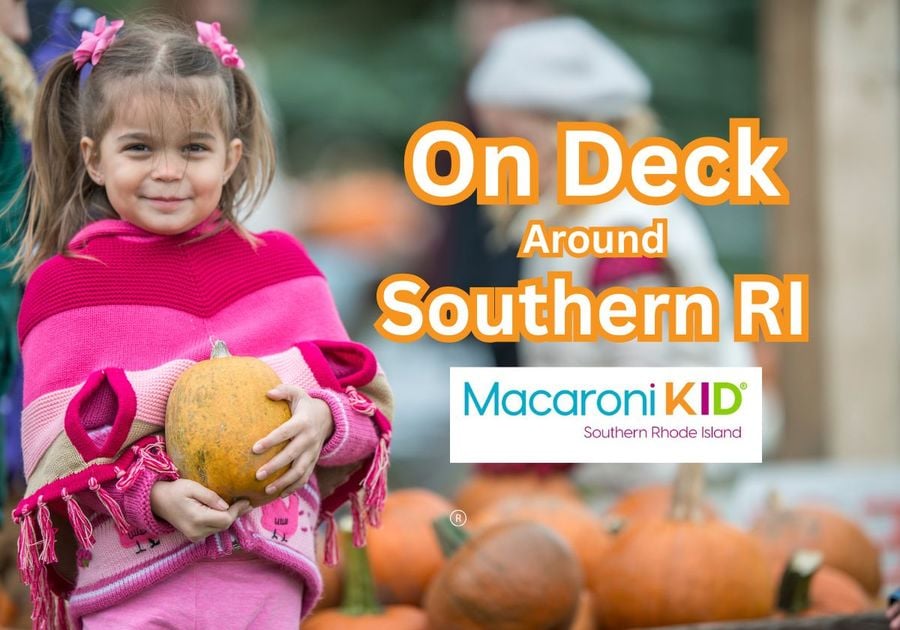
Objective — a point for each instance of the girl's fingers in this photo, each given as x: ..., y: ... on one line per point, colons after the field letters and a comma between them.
x: 238, y: 509
x: 287, y: 431
x: 298, y: 484
x: 292, y: 476
x: 290, y: 453
x: 287, y: 392
x: 208, y: 498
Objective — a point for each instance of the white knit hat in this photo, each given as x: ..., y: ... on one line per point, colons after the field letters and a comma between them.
x: 560, y: 66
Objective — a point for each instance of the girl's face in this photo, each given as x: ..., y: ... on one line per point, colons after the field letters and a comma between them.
x: 163, y: 181
x: 14, y: 21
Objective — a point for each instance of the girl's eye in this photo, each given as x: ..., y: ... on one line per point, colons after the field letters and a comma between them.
x: 138, y: 148
x: 195, y: 148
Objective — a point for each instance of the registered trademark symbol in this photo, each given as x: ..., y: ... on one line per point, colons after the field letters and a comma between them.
x: 743, y: 385
x: 458, y: 518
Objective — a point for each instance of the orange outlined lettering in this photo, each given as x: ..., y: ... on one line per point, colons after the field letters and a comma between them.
x: 766, y: 308
x: 599, y: 241
x: 595, y: 164
x: 500, y: 170
x: 540, y: 311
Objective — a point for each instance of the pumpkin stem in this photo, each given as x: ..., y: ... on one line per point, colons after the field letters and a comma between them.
x: 614, y: 524
x: 793, y: 591
x: 687, y: 494
x: 219, y: 350
x: 359, y: 587
x: 450, y: 537
x: 774, y: 502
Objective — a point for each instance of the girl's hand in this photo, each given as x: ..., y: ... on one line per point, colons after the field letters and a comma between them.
x: 308, y: 428
x: 192, y: 509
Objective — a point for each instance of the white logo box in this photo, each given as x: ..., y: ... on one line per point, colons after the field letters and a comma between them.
x: 567, y: 414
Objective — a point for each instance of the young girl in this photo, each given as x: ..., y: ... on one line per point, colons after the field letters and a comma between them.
x: 150, y: 144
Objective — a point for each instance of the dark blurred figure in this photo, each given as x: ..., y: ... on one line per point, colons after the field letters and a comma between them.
x: 465, y: 260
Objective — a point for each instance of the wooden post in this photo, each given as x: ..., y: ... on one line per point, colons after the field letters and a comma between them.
x: 831, y: 82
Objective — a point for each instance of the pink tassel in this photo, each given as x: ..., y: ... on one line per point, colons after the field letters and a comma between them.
x: 82, y: 527
x: 331, y: 543
x: 375, y: 483
x: 62, y: 617
x: 358, y: 510
x: 157, y: 460
x: 28, y: 559
x: 48, y: 533
x: 151, y: 457
x: 359, y: 402
x: 111, y: 506
x: 40, y: 599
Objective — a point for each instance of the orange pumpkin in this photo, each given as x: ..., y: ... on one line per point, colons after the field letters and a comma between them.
x: 484, y: 489
x: 360, y: 608
x: 406, y: 533
x: 650, y: 502
x: 683, y: 569
x: 809, y: 589
x: 844, y: 544
x: 582, y: 529
x: 519, y: 575
x: 216, y: 412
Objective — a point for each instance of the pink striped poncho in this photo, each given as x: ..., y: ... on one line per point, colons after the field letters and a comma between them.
x: 104, y: 337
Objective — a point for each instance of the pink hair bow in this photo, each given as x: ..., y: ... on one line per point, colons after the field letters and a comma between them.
x: 210, y: 35
x: 93, y: 45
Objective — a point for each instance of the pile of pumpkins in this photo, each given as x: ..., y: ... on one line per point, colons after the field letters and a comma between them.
x: 534, y: 556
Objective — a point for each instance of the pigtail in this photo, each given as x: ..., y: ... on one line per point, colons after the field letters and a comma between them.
x: 58, y: 185
x: 253, y: 176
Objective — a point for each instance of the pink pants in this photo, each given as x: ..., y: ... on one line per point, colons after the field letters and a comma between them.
x: 235, y: 592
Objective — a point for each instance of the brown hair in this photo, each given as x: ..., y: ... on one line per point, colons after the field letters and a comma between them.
x: 156, y: 64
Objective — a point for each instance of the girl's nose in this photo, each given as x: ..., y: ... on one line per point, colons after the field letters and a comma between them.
x: 167, y: 169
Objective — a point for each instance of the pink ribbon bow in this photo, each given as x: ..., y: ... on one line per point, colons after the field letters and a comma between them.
x: 93, y: 45
x: 210, y: 35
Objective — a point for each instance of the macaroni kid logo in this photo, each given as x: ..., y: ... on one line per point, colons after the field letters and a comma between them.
x: 628, y: 415
x: 692, y: 398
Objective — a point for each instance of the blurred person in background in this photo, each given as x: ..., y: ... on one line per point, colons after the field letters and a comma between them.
x: 458, y: 257
x: 563, y: 69
x: 465, y: 261
x: 17, y: 93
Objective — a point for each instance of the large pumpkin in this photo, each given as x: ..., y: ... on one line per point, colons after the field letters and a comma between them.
x: 683, y: 569
x: 404, y: 552
x: 649, y: 502
x: 483, y: 489
x: 360, y: 608
x: 844, y: 544
x: 582, y: 529
x: 512, y: 576
x: 217, y: 411
x: 808, y: 589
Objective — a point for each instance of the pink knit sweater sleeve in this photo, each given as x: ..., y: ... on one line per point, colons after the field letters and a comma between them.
x: 354, y: 436
x: 106, y: 405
